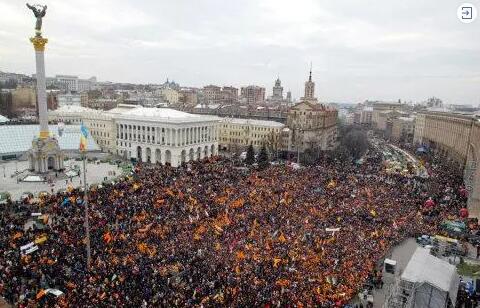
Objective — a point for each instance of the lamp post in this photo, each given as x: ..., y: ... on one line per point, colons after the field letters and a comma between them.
x: 298, y: 146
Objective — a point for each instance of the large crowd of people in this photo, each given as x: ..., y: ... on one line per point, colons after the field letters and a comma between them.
x: 211, y: 234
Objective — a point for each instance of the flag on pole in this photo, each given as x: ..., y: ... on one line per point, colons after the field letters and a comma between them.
x: 83, y: 138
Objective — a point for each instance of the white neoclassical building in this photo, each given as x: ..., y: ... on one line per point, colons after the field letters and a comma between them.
x: 166, y: 136
x: 99, y: 123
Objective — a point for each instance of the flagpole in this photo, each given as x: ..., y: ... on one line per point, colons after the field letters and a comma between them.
x: 83, y: 148
x: 85, y: 202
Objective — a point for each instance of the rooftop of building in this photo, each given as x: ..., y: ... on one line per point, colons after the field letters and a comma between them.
x: 315, y: 106
x: 254, y: 122
x: 71, y: 109
x: 392, y: 111
x: 18, y: 138
x: 122, y: 108
x: 384, y: 102
x: 207, y: 106
x: 407, y: 119
x: 450, y: 113
x: 162, y: 114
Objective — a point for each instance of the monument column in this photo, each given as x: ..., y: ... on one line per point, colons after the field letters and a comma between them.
x: 44, y: 147
x: 39, y: 45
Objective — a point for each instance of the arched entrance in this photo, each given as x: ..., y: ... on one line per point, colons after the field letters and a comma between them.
x: 199, y: 153
x: 139, y: 153
x: 191, y: 155
x: 158, y: 156
x: 149, y: 155
x: 51, y: 163
x: 205, y: 151
x: 212, y: 151
x: 168, y: 157
x: 183, y: 156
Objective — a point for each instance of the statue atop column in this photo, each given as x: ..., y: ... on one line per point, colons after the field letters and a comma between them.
x: 45, y: 155
x: 39, y: 11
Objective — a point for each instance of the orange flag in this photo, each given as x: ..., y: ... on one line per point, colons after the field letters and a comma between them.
x: 276, y: 261
x: 237, y: 203
x: 240, y: 255
x: 40, y: 294
x: 282, y: 282
x: 107, y: 237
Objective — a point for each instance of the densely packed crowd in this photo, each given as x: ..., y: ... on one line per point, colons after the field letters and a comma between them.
x: 211, y: 233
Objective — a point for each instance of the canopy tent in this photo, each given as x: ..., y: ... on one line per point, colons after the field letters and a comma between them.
x: 434, y: 280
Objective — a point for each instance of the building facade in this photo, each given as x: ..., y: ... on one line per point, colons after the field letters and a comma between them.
x: 188, y: 97
x: 380, y: 107
x: 67, y: 82
x: 72, y: 99
x: 212, y: 94
x: 166, y: 136
x: 456, y: 136
x: 99, y: 123
x: 448, y: 133
x: 85, y: 85
x: 101, y: 103
x: 171, y: 96
x: 71, y: 83
x: 277, y: 91
x: 69, y: 114
x: 472, y: 171
x: 229, y: 95
x: 366, y: 115
x: 216, y: 95
x: 24, y: 98
x: 252, y: 95
x: 313, y: 125
x: 403, y: 129
x: 237, y: 134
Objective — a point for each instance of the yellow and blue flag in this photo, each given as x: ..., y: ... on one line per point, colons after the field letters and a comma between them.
x: 83, y: 138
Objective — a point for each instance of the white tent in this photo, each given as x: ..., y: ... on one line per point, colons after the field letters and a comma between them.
x: 431, y: 280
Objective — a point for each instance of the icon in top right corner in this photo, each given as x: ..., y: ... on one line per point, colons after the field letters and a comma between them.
x: 467, y: 13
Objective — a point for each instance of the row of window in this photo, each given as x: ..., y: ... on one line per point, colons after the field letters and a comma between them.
x: 103, y: 142
x: 254, y: 128
x: 99, y: 134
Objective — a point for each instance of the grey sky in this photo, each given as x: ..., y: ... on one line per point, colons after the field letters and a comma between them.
x: 361, y: 49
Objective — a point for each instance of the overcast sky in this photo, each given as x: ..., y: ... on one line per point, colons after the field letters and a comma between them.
x: 360, y: 49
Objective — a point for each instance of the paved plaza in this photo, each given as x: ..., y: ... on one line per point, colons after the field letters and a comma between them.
x: 96, y: 173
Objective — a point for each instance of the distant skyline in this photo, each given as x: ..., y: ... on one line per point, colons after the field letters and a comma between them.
x: 409, y: 50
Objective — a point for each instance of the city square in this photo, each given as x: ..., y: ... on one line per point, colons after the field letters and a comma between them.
x: 352, y: 182
x: 96, y: 173
x: 202, y: 233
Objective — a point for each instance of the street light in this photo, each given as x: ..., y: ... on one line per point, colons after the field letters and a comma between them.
x: 298, y: 147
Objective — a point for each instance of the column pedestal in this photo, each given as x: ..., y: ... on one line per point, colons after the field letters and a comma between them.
x: 45, y: 155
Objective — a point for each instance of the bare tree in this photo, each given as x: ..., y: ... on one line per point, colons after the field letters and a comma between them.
x: 356, y: 142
